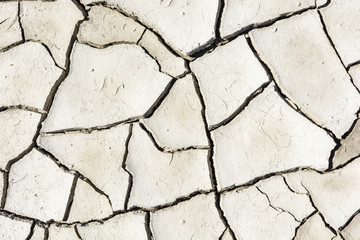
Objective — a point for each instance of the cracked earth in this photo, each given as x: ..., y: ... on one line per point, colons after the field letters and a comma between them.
x: 180, y: 119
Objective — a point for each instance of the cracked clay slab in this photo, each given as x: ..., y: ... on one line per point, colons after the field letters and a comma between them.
x: 227, y: 76
x: 38, y: 188
x: 178, y: 122
x: 121, y: 77
x: 241, y: 14
x: 106, y: 26
x: 97, y: 155
x: 169, y: 18
x: 196, y: 218
x: 127, y: 226
x: 248, y: 209
x: 342, y: 21
x: 18, y: 128
x: 44, y: 22
x: 27, y: 75
x: 10, y: 31
x: 308, y: 71
x: 160, y: 178
x: 13, y: 229
x: 268, y: 136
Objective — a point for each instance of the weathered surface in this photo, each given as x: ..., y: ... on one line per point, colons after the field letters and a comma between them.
x: 127, y: 226
x: 227, y: 76
x: 38, y: 188
x: 248, y: 208
x: 311, y: 76
x: 121, y: 77
x: 178, y: 123
x: 196, y: 218
x: 314, y: 228
x: 342, y: 21
x: 43, y: 21
x: 27, y: 75
x: 106, y: 26
x: 10, y: 31
x: 268, y: 136
x: 160, y: 178
x: 334, y: 193
x: 239, y: 15
x: 284, y: 199
x: 18, y: 128
x: 13, y: 229
x: 98, y: 156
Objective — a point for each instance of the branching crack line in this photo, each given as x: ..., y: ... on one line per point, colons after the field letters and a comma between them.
x: 131, y: 176
x: 278, y: 209
x: 211, y: 160
x: 72, y: 171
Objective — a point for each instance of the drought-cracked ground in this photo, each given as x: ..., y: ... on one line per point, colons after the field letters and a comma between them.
x: 180, y: 119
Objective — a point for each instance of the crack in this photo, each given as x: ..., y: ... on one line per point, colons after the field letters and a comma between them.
x: 166, y: 150
x: 131, y: 176
x: 77, y: 232
x: 19, y: 20
x: 46, y: 235
x: 219, y: 14
x: 211, y: 164
x: 335, y: 49
x: 71, y: 198
x: 141, y: 36
x: 148, y: 226
x: 31, y: 231
x: 162, y: 96
x: 91, y: 129
x: 352, y: 65
x: 278, y: 209
x: 242, y: 107
x: 23, y: 107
